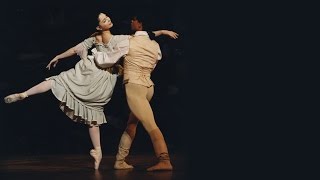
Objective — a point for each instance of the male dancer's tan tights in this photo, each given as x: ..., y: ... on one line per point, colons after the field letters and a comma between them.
x: 138, y: 98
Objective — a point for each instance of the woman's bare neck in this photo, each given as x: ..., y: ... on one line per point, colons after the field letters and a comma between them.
x: 106, y: 36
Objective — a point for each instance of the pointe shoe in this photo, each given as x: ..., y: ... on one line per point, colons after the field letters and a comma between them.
x: 97, y: 155
x: 15, y: 97
x: 122, y: 165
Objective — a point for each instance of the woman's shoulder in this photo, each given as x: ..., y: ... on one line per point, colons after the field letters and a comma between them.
x: 98, y: 38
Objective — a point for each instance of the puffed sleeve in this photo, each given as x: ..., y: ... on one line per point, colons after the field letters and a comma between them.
x: 117, y: 48
x: 82, y: 48
x: 89, y: 42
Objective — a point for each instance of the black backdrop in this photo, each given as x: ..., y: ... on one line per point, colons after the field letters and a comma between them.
x: 210, y: 98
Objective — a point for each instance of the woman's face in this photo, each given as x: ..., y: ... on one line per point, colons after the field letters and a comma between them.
x: 104, y: 22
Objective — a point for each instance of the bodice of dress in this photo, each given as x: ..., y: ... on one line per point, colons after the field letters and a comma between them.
x: 106, y: 55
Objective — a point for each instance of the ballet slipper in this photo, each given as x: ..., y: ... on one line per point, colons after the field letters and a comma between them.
x: 15, y: 97
x: 161, y: 151
x: 163, y: 164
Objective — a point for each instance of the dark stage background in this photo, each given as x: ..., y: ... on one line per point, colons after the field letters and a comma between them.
x: 33, y: 32
x: 216, y: 59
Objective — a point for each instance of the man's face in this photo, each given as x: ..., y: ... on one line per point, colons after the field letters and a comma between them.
x: 136, y: 25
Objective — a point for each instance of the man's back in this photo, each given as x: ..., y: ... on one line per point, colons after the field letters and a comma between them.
x: 141, y: 59
x: 143, y: 52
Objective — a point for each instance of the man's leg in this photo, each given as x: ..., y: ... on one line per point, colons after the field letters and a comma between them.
x: 125, y: 143
x: 137, y: 97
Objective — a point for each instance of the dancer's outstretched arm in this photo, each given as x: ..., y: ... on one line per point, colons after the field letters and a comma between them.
x: 171, y: 34
x: 68, y: 53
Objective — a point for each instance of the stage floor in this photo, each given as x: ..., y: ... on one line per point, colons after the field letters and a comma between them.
x: 80, y: 167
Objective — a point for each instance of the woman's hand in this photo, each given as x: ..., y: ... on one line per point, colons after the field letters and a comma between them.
x: 53, y: 62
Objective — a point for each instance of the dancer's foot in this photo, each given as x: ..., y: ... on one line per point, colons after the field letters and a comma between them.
x: 122, y: 165
x: 15, y: 97
x: 97, y: 155
x: 163, y: 164
x: 123, y: 152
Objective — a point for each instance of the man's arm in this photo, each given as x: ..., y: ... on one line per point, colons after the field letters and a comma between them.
x: 171, y: 34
